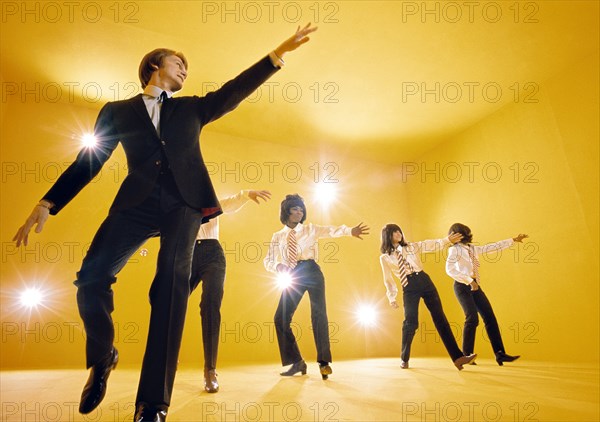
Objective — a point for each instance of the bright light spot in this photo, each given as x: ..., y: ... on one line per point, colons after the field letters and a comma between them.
x: 284, y: 280
x: 88, y: 140
x: 31, y: 297
x: 366, y: 315
x: 325, y: 193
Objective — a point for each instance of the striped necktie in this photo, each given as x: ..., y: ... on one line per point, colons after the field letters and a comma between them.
x: 402, y: 267
x: 292, y: 253
x: 475, y: 262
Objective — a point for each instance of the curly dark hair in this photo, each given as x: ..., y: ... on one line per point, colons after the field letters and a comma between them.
x: 288, y: 203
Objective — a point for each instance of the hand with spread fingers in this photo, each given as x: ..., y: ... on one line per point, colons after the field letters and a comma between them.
x: 360, y: 229
x: 296, y: 40
x: 255, y: 195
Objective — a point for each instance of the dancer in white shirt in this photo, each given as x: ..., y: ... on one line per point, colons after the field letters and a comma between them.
x: 462, y: 265
x: 208, y: 267
x: 293, y: 250
x: 401, y: 259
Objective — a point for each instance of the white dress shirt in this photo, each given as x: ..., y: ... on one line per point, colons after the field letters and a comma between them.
x: 459, y: 265
x: 410, y: 252
x: 229, y: 205
x: 151, y: 97
x: 307, y: 237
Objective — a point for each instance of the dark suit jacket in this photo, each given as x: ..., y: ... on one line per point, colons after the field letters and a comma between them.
x: 181, y: 121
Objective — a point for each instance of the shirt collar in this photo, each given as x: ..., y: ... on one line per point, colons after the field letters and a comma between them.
x: 154, y: 91
x: 287, y: 228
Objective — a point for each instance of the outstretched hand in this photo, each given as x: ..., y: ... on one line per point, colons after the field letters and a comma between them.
x: 296, y: 40
x: 255, y: 195
x: 38, y: 217
x: 359, y: 230
x: 520, y: 237
x: 455, y: 238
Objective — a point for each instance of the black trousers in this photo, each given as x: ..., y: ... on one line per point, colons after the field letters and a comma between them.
x: 208, y: 267
x: 163, y: 213
x: 474, y: 302
x: 307, y: 277
x: 420, y: 286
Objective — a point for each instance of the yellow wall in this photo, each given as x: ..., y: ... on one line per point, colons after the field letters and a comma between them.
x: 545, y: 291
x: 51, y: 335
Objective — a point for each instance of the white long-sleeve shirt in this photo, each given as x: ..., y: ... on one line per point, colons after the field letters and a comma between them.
x: 229, y: 205
x: 410, y: 252
x: 307, y: 238
x: 459, y: 265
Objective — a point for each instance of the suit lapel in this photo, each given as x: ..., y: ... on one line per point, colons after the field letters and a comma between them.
x: 165, y: 112
x: 140, y: 107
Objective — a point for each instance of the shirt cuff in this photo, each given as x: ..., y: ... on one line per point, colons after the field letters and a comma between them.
x: 276, y: 60
x: 392, y: 296
x: 465, y: 280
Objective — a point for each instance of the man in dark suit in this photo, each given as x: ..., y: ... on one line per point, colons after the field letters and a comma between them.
x: 167, y: 192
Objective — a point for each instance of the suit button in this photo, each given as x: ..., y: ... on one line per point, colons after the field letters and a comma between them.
x: 157, y: 162
x: 163, y: 142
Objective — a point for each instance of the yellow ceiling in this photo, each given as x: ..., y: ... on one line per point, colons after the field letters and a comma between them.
x: 352, y: 87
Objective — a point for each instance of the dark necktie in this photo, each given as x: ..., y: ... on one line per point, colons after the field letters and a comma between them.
x: 155, y: 110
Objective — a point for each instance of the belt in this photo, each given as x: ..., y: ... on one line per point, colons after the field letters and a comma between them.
x: 304, y: 261
x: 198, y: 241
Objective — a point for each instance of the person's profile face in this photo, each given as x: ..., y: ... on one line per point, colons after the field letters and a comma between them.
x: 397, y: 236
x: 172, y: 73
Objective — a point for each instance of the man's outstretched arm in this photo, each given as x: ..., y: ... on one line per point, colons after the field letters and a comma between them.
x: 220, y: 102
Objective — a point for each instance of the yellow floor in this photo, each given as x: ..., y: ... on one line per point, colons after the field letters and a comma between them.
x: 363, y: 390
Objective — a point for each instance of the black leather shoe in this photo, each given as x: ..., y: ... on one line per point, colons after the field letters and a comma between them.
x: 95, y: 387
x: 464, y: 360
x: 211, y: 385
x: 325, y: 371
x: 145, y: 413
x: 502, y: 357
x: 299, y: 366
